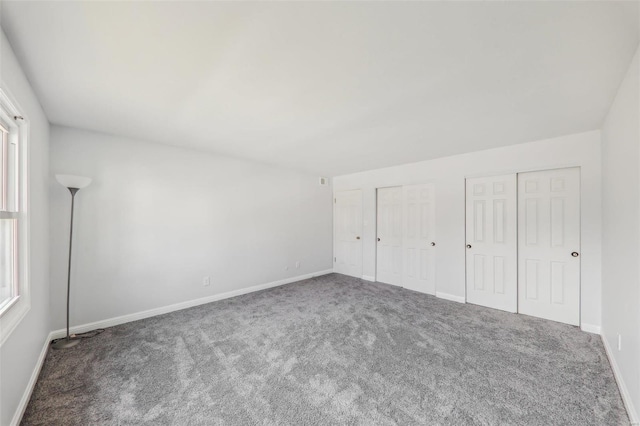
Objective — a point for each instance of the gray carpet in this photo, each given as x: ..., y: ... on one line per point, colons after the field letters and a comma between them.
x: 332, y: 350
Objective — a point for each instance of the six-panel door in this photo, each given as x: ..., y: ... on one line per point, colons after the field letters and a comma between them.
x: 419, y: 244
x: 492, y: 242
x: 522, y: 241
x: 389, y: 236
x: 348, y: 233
x: 549, y: 244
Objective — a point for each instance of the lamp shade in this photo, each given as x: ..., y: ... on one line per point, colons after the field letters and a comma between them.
x: 72, y: 181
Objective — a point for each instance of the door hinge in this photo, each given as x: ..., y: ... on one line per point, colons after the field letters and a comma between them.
x: 335, y: 201
x: 335, y: 259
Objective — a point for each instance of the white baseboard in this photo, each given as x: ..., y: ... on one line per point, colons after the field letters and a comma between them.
x: 590, y: 328
x: 26, y: 396
x: 183, y: 305
x: 626, y: 398
x: 369, y: 278
x: 453, y: 298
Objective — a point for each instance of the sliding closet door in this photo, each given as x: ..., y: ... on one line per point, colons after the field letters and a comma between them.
x: 419, y: 238
x: 348, y: 233
x: 549, y: 244
x: 492, y: 242
x: 389, y: 226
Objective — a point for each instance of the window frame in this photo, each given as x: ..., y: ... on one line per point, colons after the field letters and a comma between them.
x: 13, y: 311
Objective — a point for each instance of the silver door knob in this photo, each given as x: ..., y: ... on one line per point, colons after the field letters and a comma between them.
x: 433, y: 244
x: 575, y: 254
x: 468, y: 245
x: 378, y: 238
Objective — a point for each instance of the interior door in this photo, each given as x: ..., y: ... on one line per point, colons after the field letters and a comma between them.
x: 419, y: 238
x: 492, y: 264
x: 348, y: 233
x: 549, y: 244
x: 389, y: 236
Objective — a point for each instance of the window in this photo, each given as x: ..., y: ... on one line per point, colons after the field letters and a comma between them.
x: 9, y: 288
x: 14, y: 220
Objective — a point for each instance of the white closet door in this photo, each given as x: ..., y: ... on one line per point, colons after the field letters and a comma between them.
x: 348, y: 233
x: 549, y: 244
x: 419, y: 238
x: 389, y: 250
x: 492, y: 242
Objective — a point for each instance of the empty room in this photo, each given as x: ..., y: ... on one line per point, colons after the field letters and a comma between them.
x: 319, y: 213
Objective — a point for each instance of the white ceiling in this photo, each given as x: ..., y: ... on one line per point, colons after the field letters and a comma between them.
x: 327, y: 87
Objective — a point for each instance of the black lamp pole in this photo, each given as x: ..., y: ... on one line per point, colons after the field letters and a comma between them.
x: 68, y: 342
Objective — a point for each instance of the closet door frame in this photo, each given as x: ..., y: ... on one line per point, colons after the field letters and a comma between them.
x: 418, y: 242
x: 491, y: 249
x: 358, y: 273
x: 400, y: 279
x: 518, y: 172
x: 402, y: 185
x: 565, y: 254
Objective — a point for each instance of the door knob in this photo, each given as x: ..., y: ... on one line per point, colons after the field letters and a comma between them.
x: 468, y: 245
x: 575, y: 254
x: 378, y: 238
x: 357, y: 238
x: 433, y: 244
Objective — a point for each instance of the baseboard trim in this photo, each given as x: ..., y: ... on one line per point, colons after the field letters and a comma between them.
x: 453, y: 298
x: 26, y: 396
x: 369, y: 278
x: 626, y: 398
x: 183, y: 305
x: 590, y: 328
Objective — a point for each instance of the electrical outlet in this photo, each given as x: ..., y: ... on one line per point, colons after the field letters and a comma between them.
x: 206, y: 281
x: 297, y: 264
x: 619, y: 341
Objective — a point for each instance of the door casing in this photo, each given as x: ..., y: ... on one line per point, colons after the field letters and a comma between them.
x: 576, y: 318
x: 347, y: 232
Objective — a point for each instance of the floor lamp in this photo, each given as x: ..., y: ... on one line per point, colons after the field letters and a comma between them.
x: 73, y: 184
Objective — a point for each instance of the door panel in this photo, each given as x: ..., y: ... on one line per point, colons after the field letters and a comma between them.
x: 389, y: 230
x: 492, y: 242
x: 418, y: 237
x: 348, y: 233
x: 549, y: 223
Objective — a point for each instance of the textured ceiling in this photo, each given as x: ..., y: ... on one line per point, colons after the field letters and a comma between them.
x: 327, y: 87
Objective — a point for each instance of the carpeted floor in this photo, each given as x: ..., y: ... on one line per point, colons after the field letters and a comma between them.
x: 332, y: 350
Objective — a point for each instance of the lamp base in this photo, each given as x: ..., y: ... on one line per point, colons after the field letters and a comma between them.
x: 65, y: 343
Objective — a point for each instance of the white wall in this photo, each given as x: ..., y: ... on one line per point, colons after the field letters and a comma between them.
x: 18, y: 355
x: 157, y: 219
x: 621, y: 232
x: 449, y: 174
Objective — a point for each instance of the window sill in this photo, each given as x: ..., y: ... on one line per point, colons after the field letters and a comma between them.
x: 4, y: 307
x: 12, y: 316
